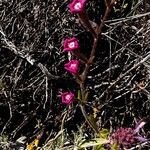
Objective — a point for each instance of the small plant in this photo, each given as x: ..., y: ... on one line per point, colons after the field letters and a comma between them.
x: 122, y: 137
x: 71, y: 44
x: 127, y: 137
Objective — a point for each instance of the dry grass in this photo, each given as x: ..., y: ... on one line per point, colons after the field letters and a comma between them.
x: 32, y: 74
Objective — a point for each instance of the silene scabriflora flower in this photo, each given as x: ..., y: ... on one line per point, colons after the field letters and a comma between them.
x: 126, y: 137
x: 67, y: 97
x: 77, y: 6
x: 72, y: 66
x: 71, y: 44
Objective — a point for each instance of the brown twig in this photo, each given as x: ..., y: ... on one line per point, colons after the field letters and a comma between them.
x: 83, y: 17
x: 127, y: 72
x: 11, y: 46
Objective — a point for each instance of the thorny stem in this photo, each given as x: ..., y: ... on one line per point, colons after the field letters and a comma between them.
x: 96, y: 34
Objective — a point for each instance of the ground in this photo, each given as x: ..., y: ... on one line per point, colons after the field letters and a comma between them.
x: 32, y: 71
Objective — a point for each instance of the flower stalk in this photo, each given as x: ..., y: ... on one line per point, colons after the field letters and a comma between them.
x: 83, y: 17
x: 96, y: 35
x: 78, y: 6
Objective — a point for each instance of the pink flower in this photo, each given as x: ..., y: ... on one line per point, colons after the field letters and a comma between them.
x: 72, y: 66
x: 123, y: 137
x: 71, y: 44
x: 67, y: 97
x: 126, y: 137
x: 77, y: 6
x: 139, y: 126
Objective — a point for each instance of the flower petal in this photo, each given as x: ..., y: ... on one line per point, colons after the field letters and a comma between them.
x: 139, y: 126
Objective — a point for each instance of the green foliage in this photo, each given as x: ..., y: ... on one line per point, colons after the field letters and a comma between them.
x: 94, y: 142
x: 104, y: 133
x: 114, y: 146
x: 100, y: 147
x: 79, y: 95
x: 93, y: 121
x: 86, y: 94
x: 97, y: 143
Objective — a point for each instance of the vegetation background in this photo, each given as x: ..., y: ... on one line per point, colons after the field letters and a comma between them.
x: 32, y: 74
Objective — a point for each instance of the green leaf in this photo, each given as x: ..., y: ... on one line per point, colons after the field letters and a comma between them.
x: 93, y: 121
x: 94, y: 142
x: 114, y: 146
x: 100, y: 147
x: 86, y: 94
x: 79, y: 95
x: 104, y: 133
